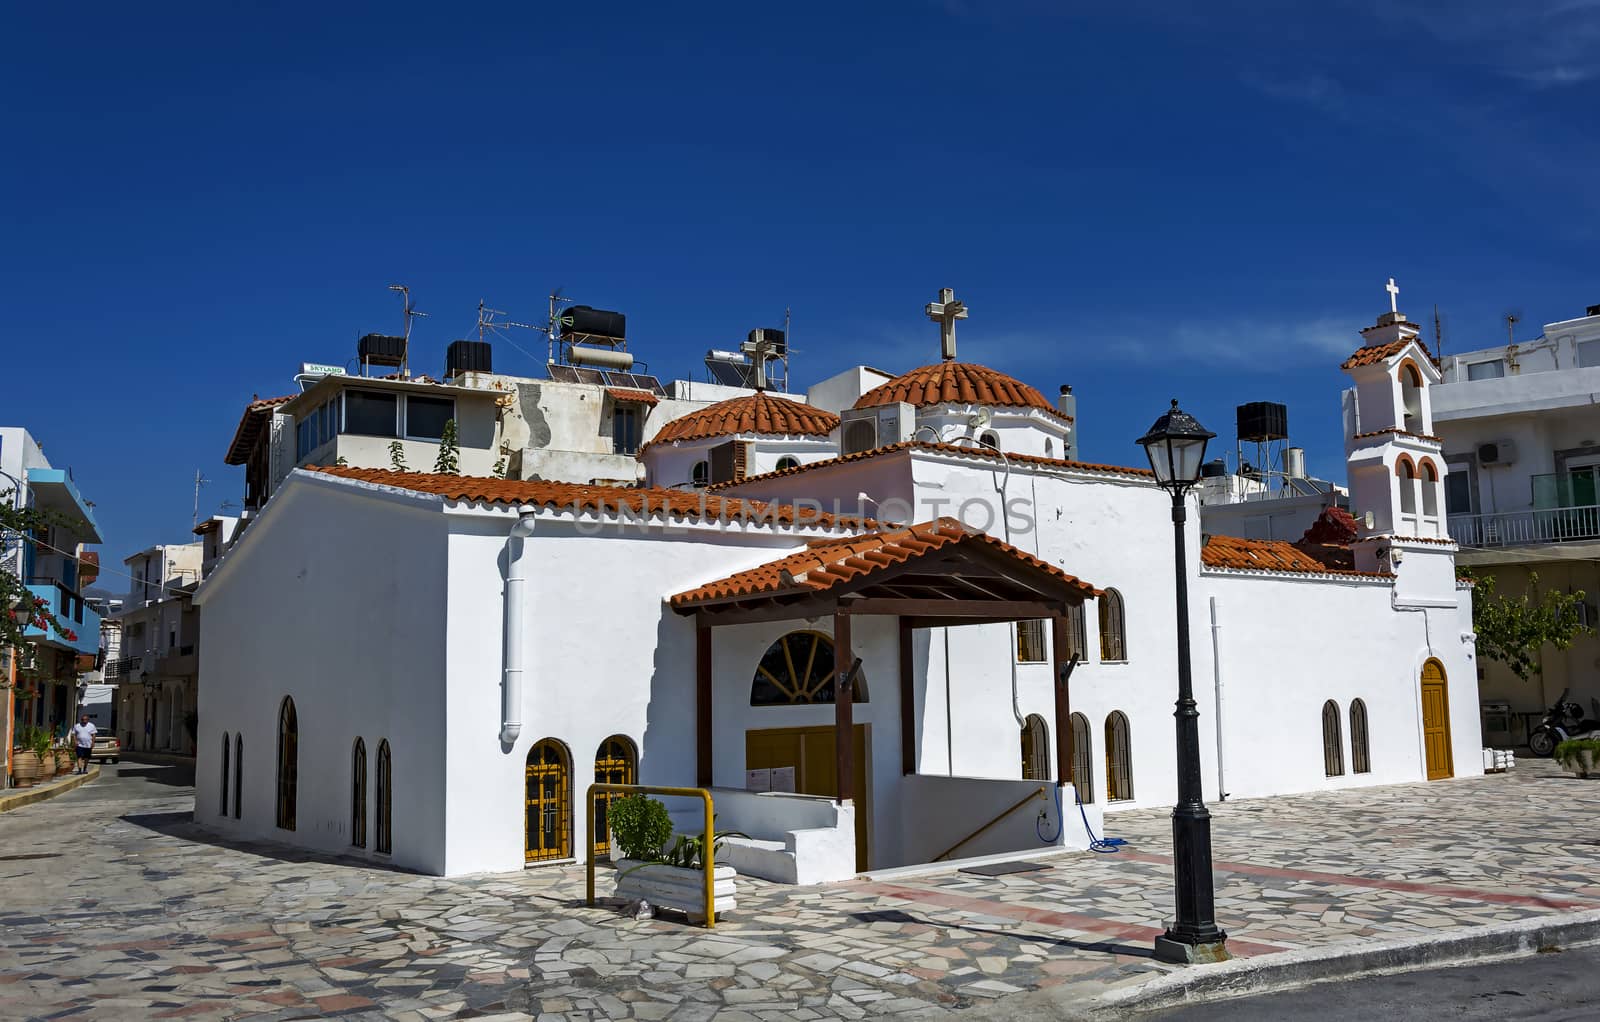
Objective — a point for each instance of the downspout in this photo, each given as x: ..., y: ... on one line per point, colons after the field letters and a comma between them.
x: 1216, y: 673
x: 516, y: 579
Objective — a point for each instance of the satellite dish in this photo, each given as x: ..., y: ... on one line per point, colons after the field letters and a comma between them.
x: 981, y: 417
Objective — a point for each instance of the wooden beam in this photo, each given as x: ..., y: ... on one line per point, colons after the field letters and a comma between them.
x: 908, y: 699
x: 726, y: 615
x: 989, y: 610
x: 1061, y: 651
x: 702, y: 705
x: 844, y: 736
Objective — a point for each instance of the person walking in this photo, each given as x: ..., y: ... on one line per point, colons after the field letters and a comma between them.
x: 82, y: 736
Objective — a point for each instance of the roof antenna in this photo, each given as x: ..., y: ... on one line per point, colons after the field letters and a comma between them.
x: 1438, y: 333
x: 410, y: 314
x: 199, y: 481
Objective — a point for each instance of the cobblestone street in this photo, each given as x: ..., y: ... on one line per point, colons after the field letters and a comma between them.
x: 120, y: 907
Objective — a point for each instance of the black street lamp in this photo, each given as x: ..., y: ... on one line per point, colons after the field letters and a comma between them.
x: 1176, y: 446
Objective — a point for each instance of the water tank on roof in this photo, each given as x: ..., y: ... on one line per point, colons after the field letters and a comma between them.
x: 1213, y: 468
x: 581, y: 319
x: 1260, y: 421
x: 468, y: 357
x: 381, y: 350
x: 776, y: 341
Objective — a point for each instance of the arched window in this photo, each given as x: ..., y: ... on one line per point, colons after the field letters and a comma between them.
x: 1430, y: 489
x: 1035, y: 749
x: 226, y: 745
x: 1408, y: 486
x: 1119, y: 758
x: 1113, y: 635
x: 358, y: 795
x: 799, y: 669
x: 1411, y: 396
x: 547, y: 794
x: 238, y: 775
x: 1360, y: 751
x: 1082, y: 758
x: 1077, y: 634
x: 1049, y: 448
x: 615, y: 762
x: 288, y: 763
x: 1332, y: 741
x: 701, y: 473
x: 989, y: 438
x: 385, y: 799
x: 787, y: 462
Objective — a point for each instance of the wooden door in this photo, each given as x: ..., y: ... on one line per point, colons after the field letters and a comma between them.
x: 614, y: 763
x: 811, y: 751
x: 1436, y: 721
x: 548, y: 804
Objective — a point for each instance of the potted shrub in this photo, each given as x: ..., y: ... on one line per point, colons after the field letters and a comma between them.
x: 667, y: 877
x: 1580, y: 756
x: 64, y: 758
x: 26, y: 769
x: 37, y: 741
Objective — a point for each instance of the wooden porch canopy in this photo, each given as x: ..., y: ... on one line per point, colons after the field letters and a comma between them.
x: 938, y: 573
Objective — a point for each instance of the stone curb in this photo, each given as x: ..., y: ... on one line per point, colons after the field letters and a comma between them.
x: 28, y: 796
x: 157, y: 758
x: 1265, y: 973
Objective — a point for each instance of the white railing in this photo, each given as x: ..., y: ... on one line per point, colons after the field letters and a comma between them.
x: 1516, y: 528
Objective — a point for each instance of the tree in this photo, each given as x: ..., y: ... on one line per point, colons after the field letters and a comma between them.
x: 20, y: 609
x: 1512, y: 630
x: 397, y: 457
x: 448, y: 462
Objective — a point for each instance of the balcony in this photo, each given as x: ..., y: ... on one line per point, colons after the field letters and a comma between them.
x: 123, y: 668
x: 1527, y: 528
x: 69, y: 609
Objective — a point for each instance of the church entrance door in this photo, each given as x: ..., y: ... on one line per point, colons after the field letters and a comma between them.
x: 811, y: 752
x: 548, y: 802
x: 1436, y: 722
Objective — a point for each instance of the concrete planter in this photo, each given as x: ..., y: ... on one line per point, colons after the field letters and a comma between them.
x: 675, y: 887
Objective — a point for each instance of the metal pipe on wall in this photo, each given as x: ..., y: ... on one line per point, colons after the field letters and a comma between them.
x: 516, y: 581
x: 1216, y: 673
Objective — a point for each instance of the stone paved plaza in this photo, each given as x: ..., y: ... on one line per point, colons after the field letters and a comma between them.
x: 122, y: 908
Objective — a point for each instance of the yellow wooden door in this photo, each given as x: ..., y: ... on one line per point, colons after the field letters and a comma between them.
x: 1436, y: 721
x: 614, y: 763
x: 811, y: 751
x: 548, y: 803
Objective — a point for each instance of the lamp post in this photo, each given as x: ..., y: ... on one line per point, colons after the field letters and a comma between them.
x: 1176, y: 446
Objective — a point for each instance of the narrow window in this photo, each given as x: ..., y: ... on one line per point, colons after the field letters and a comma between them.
x: 1030, y: 641
x: 1360, y: 751
x: 1113, y: 641
x: 615, y: 762
x: 1408, y: 487
x: 1332, y: 740
x: 288, y: 763
x: 385, y: 799
x: 1035, y: 749
x: 358, y: 795
x: 238, y: 775
x: 1430, y: 490
x: 1082, y: 759
x: 1077, y: 633
x: 1119, y: 758
x: 625, y: 429
x: 226, y: 744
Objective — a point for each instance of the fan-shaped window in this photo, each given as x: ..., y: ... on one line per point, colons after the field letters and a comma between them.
x: 1332, y: 740
x: 358, y: 795
x: 798, y: 669
x: 700, y: 475
x: 1430, y: 489
x: 288, y: 763
x: 1113, y: 635
x: 238, y: 775
x: 1360, y: 751
x: 1082, y: 758
x: 226, y: 744
x: 1035, y: 749
x: 1119, y: 758
x: 385, y: 799
x: 787, y: 462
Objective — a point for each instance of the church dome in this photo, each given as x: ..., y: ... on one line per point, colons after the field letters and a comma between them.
x: 957, y: 383
x: 758, y: 413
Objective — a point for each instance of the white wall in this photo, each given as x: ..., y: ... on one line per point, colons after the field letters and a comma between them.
x: 941, y: 811
x: 672, y: 464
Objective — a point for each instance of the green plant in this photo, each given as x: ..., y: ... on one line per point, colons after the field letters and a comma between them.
x: 397, y: 457
x: 448, y: 462
x: 500, y: 469
x: 641, y: 826
x: 20, y: 608
x: 1578, y: 754
x: 1513, y: 630
x: 37, y: 741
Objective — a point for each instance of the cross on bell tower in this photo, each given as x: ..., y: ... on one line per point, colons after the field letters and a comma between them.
x: 1394, y: 295
x: 945, y: 312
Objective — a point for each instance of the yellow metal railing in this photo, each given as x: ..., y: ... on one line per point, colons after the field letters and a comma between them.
x: 708, y: 852
x: 1037, y: 793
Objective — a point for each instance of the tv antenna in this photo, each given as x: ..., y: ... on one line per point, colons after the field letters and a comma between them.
x: 1438, y: 333
x: 410, y: 312
x: 489, y: 326
x: 199, y: 481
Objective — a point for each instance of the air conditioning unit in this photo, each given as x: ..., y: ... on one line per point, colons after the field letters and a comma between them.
x: 1497, y: 453
x: 728, y: 462
x: 867, y: 429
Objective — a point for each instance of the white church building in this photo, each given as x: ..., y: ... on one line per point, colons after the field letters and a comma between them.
x: 453, y: 660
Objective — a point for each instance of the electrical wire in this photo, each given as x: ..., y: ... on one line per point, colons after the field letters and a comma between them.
x: 103, y: 570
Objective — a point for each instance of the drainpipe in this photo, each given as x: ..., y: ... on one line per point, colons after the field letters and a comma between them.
x: 1216, y: 672
x: 516, y: 578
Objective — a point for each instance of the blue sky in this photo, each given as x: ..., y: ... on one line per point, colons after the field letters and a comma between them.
x: 1142, y: 203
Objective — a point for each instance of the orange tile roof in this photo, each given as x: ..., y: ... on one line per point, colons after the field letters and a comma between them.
x: 1379, y: 352
x: 755, y: 413
x: 925, y: 445
x: 1270, y: 555
x: 958, y: 383
x: 256, y: 415
x: 641, y: 397
x: 827, y: 563
x: 637, y: 501
x: 1397, y: 431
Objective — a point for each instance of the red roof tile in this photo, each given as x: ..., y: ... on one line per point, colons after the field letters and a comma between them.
x: 756, y: 413
x: 637, y: 501
x: 827, y: 563
x: 958, y: 383
x: 256, y: 415
x: 641, y: 397
x: 1270, y: 555
x: 1379, y: 352
x: 963, y: 449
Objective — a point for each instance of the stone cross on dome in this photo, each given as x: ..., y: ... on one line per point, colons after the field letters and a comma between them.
x: 1394, y: 295
x: 945, y: 312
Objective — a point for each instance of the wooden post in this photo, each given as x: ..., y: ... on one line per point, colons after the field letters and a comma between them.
x: 702, y: 705
x: 1061, y: 655
x: 843, y: 708
x: 908, y: 699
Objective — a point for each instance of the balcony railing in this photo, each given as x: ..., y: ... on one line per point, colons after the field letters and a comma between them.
x: 69, y: 609
x: 123, y: 667
x: 1523, y: 528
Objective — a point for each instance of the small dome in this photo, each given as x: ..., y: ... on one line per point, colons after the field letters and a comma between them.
x: 758, y: 413
x: 958, y: 383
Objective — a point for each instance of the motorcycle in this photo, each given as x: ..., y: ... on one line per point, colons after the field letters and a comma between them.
x: 1562, y: 721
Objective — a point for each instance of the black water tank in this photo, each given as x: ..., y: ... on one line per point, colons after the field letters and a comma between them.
x: 468, y: 357
x: 1213, y: 468
x: 1594, y: 310
x: 1263, y: 420
x: 381, y: 349
x: 775, y: 338
x: 581, y: 319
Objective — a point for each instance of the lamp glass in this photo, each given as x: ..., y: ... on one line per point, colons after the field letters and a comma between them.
x: 1176, y: 447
